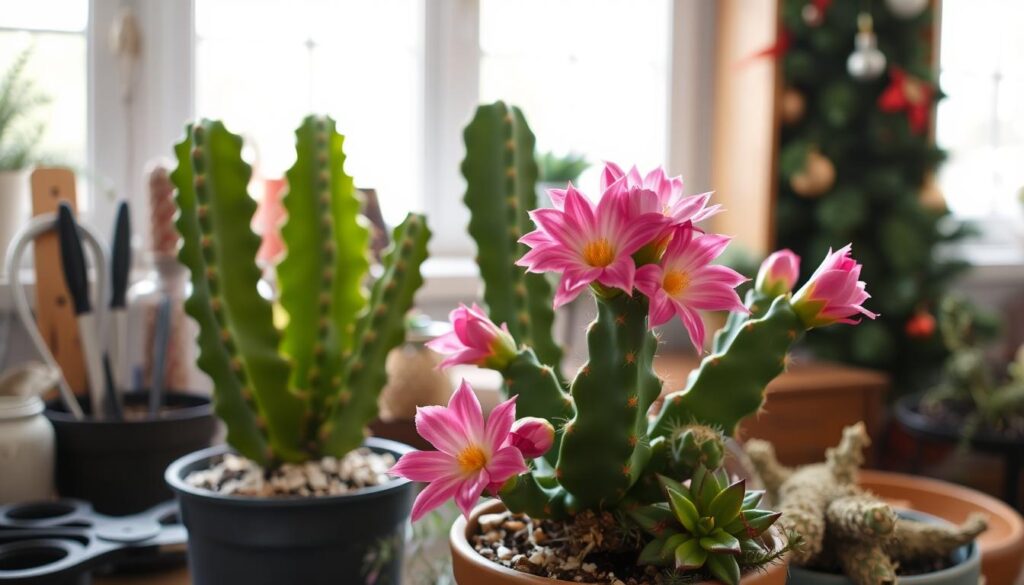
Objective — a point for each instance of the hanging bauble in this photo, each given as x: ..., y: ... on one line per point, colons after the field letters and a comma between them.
x: 813, y: 13
x: 931, y: 196
x: 906, y: 8
x: 816, y: 178
x: 792, y: 106
x: 920, y: 326
x: 866, y: 62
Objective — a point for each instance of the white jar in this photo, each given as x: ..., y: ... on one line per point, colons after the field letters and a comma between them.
x: 26, y: 450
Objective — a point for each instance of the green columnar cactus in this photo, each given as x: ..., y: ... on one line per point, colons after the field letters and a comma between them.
x: 310, y: 391
x: 612, y: 393
x: 501, y: 188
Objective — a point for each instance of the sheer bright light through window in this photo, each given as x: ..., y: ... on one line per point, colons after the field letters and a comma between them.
x: 358, y: 61
x: 590, y: 75
x: 981, y: 122
x: 54, y: 32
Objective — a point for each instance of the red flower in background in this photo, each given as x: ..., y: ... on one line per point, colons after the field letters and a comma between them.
x: 910, y: 95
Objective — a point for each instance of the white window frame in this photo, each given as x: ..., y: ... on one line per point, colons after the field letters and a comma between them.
x: 450, y: 89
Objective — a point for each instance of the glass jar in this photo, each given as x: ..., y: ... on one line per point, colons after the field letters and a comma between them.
x: 26, y: 450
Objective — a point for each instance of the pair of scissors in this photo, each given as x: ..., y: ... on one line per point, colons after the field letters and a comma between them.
x: 103, y: 390
x: 45, y: 543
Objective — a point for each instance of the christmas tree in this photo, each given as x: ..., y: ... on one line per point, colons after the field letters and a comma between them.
x: 856, y: 164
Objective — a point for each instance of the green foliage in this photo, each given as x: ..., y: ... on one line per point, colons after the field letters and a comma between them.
x: 710, y: 525
x: 881, y: 167
x: 501, y: 188
x: 311, y: 391
x: 968, y: 378
x: 19, y: 99
x: 561, y: 169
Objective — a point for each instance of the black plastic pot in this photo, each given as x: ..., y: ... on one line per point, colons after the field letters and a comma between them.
x: 351, y: 538
x: 118, y: 467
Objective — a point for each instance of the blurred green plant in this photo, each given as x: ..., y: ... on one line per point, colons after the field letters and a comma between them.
x: 553, y: 168
x: 19, y: 98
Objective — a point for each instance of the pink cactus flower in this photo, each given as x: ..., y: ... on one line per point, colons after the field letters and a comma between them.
x: 588, y: 243
x: 778, y: 273
x: 686, y: 282
x: 532, y: 436
x: 471, y: 456
x: 474, y: 339
x: 834, y: 293
x: 655, y: 192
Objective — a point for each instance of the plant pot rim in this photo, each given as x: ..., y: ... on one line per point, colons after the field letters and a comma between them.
x: 169, y: 416
x: 909, y: 414
x: 175, y: 473
x: 965, y: 567
x: 458, y: 538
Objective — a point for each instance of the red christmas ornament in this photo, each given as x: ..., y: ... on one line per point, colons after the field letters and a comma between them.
x: 776, y: 50
x: 908, y: 94
x: 920, y: 326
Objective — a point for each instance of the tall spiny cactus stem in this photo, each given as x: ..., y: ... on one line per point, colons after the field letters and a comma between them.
x: 536, y: 495
x: 321, y: 277
x: 539, y: 393
x: 501, y: 177
x: 729, y: 385
x: 757, y: 303
x: 380, y: 328
x: 238, y: 341
x: 604, y: 447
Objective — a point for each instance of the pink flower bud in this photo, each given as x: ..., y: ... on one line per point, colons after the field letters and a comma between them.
x: 778, y: 273
x: 834, y: 293
x: 474, y: 339
x: 532, y: 436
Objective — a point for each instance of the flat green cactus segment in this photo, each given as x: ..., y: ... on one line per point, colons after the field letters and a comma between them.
x: 229, y: 398
x: 379, y: 330
x: 757, y: 303
x: 538, y: 392
x: 222, y: 210
x: 730, y: 384
x: 321, y: 277
x: 537, y: 496
x: 604, y: 447
x: 501, y: 188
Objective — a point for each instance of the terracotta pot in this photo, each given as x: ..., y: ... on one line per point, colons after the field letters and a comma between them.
x: 964, y: 572
x: 1002, y: 545
x: 472, y: 569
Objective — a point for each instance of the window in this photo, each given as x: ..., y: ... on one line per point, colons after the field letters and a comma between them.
x: 590, y: 75
x: 981, y: 122
x: 54, y: 33
x: 287, y: 58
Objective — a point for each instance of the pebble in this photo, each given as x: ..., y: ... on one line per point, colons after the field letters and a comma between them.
x: 504, y: 553
x: 589, y: 567
x: 514, y: 525
x: 488, y: 522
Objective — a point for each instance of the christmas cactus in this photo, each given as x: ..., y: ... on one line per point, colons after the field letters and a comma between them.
x: 309, y: 388
x: 595, y: 445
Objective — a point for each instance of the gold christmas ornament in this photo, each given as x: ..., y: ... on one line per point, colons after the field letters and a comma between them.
x: 792, y: 106
x: 931, y: 196
x: 816, y: 178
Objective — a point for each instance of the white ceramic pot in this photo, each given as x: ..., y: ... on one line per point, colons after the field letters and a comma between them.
x: 26, y: 450
x: 14, y: 207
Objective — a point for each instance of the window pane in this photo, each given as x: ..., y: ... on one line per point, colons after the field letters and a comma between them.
x: 981, y: 122
x: 357, y: 61
x: 49, y: 15
x: 57, y: 69
x: 590, y: 75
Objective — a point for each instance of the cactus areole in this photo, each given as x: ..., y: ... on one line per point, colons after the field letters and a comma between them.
x: 638, y: 253
x: 307, y: 389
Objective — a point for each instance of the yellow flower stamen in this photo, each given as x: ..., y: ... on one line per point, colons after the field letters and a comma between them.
x: 472, y: 459
x: 599, y: 253
x: 675, y: 282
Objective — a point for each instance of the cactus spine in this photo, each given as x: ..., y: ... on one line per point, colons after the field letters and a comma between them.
x: 311, y: 391
x: 501, y: 188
